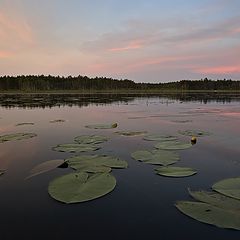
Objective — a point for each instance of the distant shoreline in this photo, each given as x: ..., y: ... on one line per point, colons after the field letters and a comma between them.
x: 121, y: 91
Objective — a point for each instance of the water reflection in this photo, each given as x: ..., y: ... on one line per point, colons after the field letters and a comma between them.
x: 143, y: 203
x: 53, y: 100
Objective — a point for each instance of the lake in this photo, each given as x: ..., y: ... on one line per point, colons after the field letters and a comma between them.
x: 142, y: 204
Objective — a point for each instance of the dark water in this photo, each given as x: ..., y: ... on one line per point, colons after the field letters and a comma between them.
x: 142, y: 204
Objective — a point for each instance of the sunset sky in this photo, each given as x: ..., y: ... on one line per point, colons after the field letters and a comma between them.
x: 142, y: 40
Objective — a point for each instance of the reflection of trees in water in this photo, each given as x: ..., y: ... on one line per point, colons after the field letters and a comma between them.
x: 53, y: 100
x: 206, y: 97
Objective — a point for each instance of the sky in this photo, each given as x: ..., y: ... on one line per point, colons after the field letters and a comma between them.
x: 141, y: 40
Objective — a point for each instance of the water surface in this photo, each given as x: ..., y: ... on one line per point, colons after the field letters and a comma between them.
x: 142, y: 204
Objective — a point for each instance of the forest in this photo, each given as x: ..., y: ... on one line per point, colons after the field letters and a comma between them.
x: 34, y: 83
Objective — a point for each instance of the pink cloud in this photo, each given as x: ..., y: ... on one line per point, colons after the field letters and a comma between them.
x: 161, y: 61
x: 132, y: 45
x: 15, y: 30
x: 236, y: 30
x: 219, y: 70
x: 5, y: 54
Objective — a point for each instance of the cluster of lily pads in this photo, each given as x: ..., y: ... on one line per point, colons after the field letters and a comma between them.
x: 92, y: 178
x: 16, y: 136
x: 219, y: 207
x: 164, y: 155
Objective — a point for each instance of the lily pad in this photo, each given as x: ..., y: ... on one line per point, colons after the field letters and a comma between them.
x: 57, y: 121
x: 45, y: 167
x: 102, y: 126
x: 172, y: 145
x: 181, y: 121
x: 16, y: 136
x: 90, y: 139
x: 24, y: 123
x: 196, y: 133
x: 92, y: 161
x: 156, y: 157
x: 175, y: 171
x: 142, y: 155
x: 91, y: 168
x: 81, y: 187
x: 131, y: 133
x: 75, y: 147
x: 216, y: 199
x: 157, y: 137
x: 210, y: 214
x: 229, y: 187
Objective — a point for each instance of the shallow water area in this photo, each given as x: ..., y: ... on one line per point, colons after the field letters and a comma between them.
x: 142, y: 204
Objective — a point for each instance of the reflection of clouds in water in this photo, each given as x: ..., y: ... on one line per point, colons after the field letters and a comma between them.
x: 7, y: 128
x: 231, y: 114
x: 9, y: 151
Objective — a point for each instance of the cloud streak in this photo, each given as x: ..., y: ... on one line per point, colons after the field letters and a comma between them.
x: 131, y: 46
x: 219, y: 70
x: 15, y: 28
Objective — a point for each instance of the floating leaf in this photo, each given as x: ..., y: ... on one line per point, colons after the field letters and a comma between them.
x: 131, y: 133
x: 175, y: 171
x: 172, y: 145
x: 216, y: 199
x: 24, y: 123
x: 142, y: 155
x: 196, y: 133
x: 229, y: 187
x: 90, y: 139
x: 75, y: 147
x: 16, y: 136
x: 181, y: 121
x: 207, y: 213
x: 45, y: 167
x: 102, y: 126
x: 86, y: 161
x: 156, y: 157
x: 81, y: 187
x: 157, y: 137
x: 91, y: 168
x: 57, y: 121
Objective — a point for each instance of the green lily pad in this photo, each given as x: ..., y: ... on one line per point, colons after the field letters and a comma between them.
x: 102, y: 126
x: 156, y: 157
x: 157, y: 137
x: 24, y: 123
x: 81, y: 187
x: 75, y: 147
x: 142, y: 155
x: 45, y: 167
x: 131, y: 133
x: 210, y: 214
x: 172, y: 145
x: 57, y: 121
x: 16, y: 136
x: 90, y: 139
x: 181, y: 121
x: 196, y: 133
x: 216, y: 199
x: 91, y: 168
x: 175, y: 171
x: 92, y: 161
x: 229, y: 187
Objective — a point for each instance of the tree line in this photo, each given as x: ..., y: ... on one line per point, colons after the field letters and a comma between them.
x: 84, y: 83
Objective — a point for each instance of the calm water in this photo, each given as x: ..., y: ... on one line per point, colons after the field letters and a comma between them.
x: 142, y: 204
